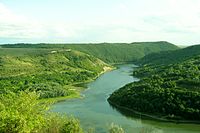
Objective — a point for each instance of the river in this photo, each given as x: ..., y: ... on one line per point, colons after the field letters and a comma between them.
x: 94, y: 111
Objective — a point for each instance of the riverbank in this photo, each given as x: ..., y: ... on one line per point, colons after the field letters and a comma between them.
x: 77, y: 93
x: 105, y: 69
x: 151, y: 117
x: 59, y: 99
x: 94, y: 111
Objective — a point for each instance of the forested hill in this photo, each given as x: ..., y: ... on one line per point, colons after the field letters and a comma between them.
x: 169, y: 57
x: 169, y: 86
x: 109, y: 52
x: 51, y: 72
x: 165, y: 91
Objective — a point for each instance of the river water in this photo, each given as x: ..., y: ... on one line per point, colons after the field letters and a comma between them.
x: 94, y: 111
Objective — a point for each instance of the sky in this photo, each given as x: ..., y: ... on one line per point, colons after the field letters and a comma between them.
x: 95, y: 21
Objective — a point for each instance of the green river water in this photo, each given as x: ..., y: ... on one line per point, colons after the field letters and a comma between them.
x: 94, y: 111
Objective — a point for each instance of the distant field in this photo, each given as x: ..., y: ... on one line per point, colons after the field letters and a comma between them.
x: 22, y: 51
x: 108, y: 52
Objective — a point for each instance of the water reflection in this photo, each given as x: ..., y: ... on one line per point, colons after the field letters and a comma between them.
x: 94, y: 111
x: 156, y: 126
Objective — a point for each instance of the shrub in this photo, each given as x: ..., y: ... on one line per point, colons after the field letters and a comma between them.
x: 115, y: 129
x: 23, y: 113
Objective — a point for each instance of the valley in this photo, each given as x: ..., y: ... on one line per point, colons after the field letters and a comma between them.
x: 75, y: 72
x: 99, y: 66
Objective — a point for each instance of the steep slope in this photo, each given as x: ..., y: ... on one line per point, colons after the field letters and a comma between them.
x: 168, y: 57
x: 51, y: 72
x: 168, y: 92
x: 109, y: 52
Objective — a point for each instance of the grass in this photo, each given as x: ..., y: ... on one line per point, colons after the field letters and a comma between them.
x: 59, y: 99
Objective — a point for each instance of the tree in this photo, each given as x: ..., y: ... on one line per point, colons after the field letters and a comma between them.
x: 21, y: 112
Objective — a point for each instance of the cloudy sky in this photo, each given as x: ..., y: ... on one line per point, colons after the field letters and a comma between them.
x: 71, y: 21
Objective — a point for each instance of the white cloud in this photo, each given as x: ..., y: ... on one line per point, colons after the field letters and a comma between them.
x: 17, y: 26
x: 177, y: 21
x: 23, y: 28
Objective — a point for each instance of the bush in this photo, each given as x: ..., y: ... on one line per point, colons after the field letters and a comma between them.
x: 23, y: 113
x: 57, y: 123
x: 115, y: 129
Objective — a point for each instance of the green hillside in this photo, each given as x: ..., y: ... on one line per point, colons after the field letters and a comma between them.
x: 108, y: 52
x: 53, y: 69
x: 168, y: 57
x: 166, y: 92
x: 50, y: 72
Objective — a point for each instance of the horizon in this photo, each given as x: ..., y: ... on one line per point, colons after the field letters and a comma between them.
x: 89, y: 21
x: 68, y: 43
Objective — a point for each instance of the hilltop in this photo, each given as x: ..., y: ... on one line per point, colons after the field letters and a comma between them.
x: 108, y: 52
x: 170, y: 57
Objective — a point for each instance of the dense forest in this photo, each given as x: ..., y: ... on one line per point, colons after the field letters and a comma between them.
x: 169, y: 91
x: 169, y: 57
x: 51, y: 73
x: 108, y: 52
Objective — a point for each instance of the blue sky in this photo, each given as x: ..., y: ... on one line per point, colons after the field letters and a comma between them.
x: 82, y: 21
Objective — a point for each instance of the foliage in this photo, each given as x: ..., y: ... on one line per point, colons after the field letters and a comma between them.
x: 168, y: 91
x: 115, y: 129
x: 57, y: 123
x: 23, y: 112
